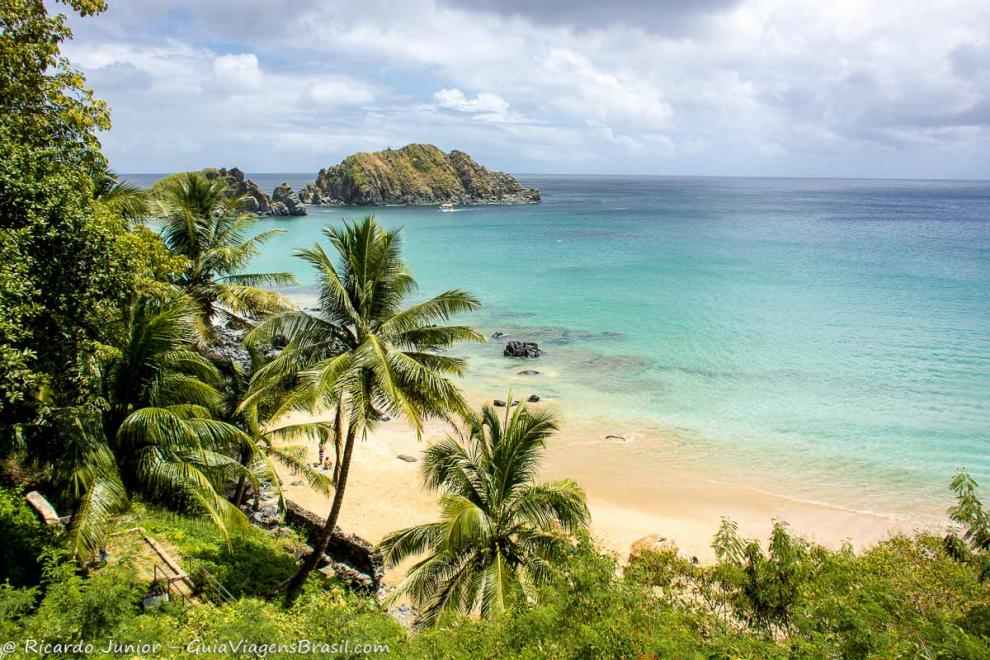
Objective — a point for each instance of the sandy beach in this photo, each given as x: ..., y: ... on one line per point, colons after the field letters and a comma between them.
x: 385, y: 493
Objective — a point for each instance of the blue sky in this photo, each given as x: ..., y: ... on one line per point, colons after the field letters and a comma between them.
x: 712, y: 87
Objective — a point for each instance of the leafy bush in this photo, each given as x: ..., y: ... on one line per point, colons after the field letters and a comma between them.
x: 906, y: 597
x: 903, y: 597
x: 24, y: 538
x: 254, y: 563
x: 969, y: 541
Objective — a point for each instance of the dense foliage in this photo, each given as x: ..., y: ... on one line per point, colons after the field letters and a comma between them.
x: 24, y: 539
x: 365, y: 352
x: 107, y: 388
x: 500, y: 533
x: 904, y: 598
x: 65, y: 263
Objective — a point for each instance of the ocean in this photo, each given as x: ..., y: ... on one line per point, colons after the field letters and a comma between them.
x: 826, y: 340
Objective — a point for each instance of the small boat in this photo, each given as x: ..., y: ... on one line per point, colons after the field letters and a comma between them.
x: 447, y: 207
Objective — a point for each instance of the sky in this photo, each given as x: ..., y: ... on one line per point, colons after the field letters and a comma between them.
x: 869, y: 88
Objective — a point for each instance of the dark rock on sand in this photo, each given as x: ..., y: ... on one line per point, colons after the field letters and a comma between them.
x: 522, y: 349
x: 615, y: 437
x: 533, y: 398
x: 406, y: 458
x: 353, y: 560
x: 528, y: 372
x: 499, y: 403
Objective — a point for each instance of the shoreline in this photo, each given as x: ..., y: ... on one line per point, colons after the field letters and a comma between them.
x: 639, y: 484
x: 591, y: 413
x: 385, y: 493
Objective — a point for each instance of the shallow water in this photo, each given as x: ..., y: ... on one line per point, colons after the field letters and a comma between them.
x: 822, y: 339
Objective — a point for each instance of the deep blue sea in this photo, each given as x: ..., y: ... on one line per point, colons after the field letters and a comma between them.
x: 824, y: 339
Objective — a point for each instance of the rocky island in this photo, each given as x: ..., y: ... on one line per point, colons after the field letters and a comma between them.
x: 417, y: 174
x: 282, y: 202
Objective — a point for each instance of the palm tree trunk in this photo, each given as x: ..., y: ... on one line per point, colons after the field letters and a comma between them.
x: 243, y: 458
x: 239, y: 493
x: 313, y: 559
x: 338, y: 443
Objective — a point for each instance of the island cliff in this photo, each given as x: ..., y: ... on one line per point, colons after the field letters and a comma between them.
x: 414, y: 174
x: 282, y: 202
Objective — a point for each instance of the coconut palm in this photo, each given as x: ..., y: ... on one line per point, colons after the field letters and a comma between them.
x: 267, y: 446
x: 128, y: 200
x: 203, y: 225
x: 156, y: 432
x: 499, y: 532
x: 363, y: 353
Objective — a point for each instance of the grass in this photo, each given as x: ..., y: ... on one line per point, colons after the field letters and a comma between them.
x: 253, y: 564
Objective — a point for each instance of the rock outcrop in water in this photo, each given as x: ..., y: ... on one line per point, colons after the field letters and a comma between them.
x: 522, y: 349
x: 414, y: 174
x: 282, y: 202
x: 284, y: 195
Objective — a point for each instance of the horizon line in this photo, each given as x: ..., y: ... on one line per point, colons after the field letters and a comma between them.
x: 823, y: 177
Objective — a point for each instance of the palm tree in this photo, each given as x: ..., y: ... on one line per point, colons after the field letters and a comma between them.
x: 260, y: 454
x: 362, y: 353
x: 128, y: 200
x: 203, y: 225
x: 498, y: 532
x: 156, y: 432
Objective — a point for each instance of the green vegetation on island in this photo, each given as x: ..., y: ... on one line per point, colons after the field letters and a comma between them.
x: 145, y: 379
x: 414, y: 174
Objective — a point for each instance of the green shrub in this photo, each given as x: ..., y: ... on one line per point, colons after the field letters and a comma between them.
x: 254, y: 563
x: 24, y: 538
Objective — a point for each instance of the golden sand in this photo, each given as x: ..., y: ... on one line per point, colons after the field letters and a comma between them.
x: 385, y: 493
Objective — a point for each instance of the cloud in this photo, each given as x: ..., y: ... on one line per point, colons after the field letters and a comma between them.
x: 120, y: 76
x: 484, y: 102
x: 238, y: 73
x: 336, y: 92
x: 867, y: 88
x: 667, y: 16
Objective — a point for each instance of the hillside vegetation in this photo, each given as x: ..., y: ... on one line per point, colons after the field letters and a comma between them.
x: 414, y: 174
x: 904, y: 598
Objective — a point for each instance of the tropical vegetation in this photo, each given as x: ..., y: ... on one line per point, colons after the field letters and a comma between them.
x: 363, y: 353
x: 202, y: 223
x: 499, y: 531
x: 905, y: 597
x: 149, y: 382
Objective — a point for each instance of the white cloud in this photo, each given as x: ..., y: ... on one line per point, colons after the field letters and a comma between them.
x: 484, y: 102
x: 336, y: 91
x: 849, y: 87
x: 238, y: 73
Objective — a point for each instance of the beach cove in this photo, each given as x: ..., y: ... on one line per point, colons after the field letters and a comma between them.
x: 765, y: 348
x: 386, y: 493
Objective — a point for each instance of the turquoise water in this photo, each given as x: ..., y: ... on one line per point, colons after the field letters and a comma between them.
x: 825, y: 339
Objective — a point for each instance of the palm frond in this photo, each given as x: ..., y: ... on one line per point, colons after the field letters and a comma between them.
x: 437, y: 309
x: 259, y: 279
x: 547, y: 507
x: 316, y: 480
x: 411, y: 541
